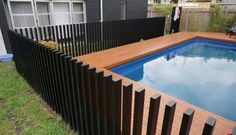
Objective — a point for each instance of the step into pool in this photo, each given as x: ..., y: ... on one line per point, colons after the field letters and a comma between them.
x: 199, y: 71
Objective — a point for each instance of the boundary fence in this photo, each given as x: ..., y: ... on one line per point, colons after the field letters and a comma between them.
x: 80, y: 39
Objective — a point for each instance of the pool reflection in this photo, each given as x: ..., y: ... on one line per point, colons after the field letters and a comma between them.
x: 202, y: 74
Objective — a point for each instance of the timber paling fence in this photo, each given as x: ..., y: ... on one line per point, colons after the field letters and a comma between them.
x: 90, y: 101
x: 80, y: 39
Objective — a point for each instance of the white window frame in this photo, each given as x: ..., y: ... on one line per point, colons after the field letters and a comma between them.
x: 51, y: 11
x: 59, y: 13
x: 84, y: 11
x: 11, y: 14
x: 38, y: 14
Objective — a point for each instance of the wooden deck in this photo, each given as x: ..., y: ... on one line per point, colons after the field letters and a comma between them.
x: 116, y: 56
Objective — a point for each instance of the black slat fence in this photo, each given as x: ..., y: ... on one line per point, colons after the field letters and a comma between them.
x: 80, y: 39
x: 91, y: 102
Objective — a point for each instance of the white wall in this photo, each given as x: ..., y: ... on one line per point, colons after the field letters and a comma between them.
x: 2, y: 45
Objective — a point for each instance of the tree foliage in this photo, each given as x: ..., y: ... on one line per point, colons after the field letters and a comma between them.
x: 216, y: 21
x: 163, y: 9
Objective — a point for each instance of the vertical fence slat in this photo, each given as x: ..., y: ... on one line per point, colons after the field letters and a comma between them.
x: 186, y: 122
x: 127, y: 107
x: 83, y: 98
x: 96, y: 35
x: 87, y: 82
x: 153, y: 114
x: 59, y: 84
x: 41, y: 65
x: 31, y: 34
x: 72, y: 45
x: 209, y: 126
x: 61, y: 38
x: 47, y: 79
x: 26, y: 32
x: 53, y: 33
x: 78, y: 40
x: 45, y: 33
x: 52, y: 79
x: 138, y: 111
x: 102, y: 102
x: 73, y: 93
x: 76, y: 49
x: 49, y: 33
x: 84, y: 42
x: 70, y: 65
x: 36, y: 34
x: 63, y: 110
x: 90, y: 99
x: 116, y: 86
x: 108, y: 82
x: 68, y: 92
x: 95, y: 100
x: 64, y: 89
x: 90, y: 37
x: 168, y: 118
x: 77, y: 94
x: 40, y: 33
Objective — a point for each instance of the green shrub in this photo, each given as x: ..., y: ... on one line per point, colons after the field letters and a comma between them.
x: 229, y: 21
x: 219, y: 22
x: 216, y: 21
x: 162, y: 9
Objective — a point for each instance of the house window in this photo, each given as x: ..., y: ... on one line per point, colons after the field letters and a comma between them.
x: 22, y: 14
x: 43, y: 13
x: 123, y: 10
x: 61, y: 13
x: 33, y: 13
x: 78, y: 12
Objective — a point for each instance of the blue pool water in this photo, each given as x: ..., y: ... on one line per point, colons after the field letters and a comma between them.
x: 199, y: 71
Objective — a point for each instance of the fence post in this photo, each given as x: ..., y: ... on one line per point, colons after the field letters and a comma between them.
x: 168, y: 118
x: 153, y: 114
x: 127, y: 106
x: 209, y: 126
x: 138, y: 111
x: 186, y: 122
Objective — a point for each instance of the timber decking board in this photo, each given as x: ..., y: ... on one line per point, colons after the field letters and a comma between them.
x: 112, y: 57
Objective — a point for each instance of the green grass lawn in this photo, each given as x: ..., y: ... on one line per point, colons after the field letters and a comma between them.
x: 22, y: 111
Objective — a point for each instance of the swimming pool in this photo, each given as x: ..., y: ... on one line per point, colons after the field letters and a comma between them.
x: 199, y: 71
